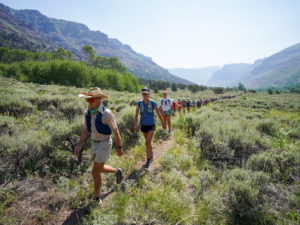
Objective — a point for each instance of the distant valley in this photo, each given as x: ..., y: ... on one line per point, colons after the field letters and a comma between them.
x: 196, y: 75
x: 278, y: 70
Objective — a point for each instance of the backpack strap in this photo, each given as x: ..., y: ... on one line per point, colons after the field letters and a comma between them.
x: 169, y: 101
x: 140, y: 104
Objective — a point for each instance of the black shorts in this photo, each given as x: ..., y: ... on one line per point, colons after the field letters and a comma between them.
x: 145, y: 129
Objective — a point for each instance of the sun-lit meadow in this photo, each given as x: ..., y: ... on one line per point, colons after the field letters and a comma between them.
x: 233, y: 161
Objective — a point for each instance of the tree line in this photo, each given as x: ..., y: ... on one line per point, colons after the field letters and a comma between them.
x: 60, y: 68
x: 157, y: 85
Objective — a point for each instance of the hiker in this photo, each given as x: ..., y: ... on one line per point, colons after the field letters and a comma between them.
x: 193, y: 103
x: 145, y: 108
x: 174, y: 107
x: 207, y: 101
x: 99, y: 123
x: 199, y: 103
x: 179, y: 105
x: 183, y: 104
x: 188, y: 105
x: 166, y: 110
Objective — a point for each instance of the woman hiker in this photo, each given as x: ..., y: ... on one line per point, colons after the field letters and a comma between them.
x: 183, y: 104
x: 174, y: 107
x: 199, y: 103
x: 179, y: 105
x: 166, y: 110
x: 145, y: 108
x: 99, y: 122
x: 188, y: 105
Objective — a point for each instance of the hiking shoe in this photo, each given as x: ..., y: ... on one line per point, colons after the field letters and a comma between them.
x: 97, y: 200
x: 151, y: 159
x: 119, y: 176
x: 147, y: 166
x: 170, y: 132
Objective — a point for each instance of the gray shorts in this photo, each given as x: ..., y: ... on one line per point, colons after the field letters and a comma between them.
x: 101, y: 151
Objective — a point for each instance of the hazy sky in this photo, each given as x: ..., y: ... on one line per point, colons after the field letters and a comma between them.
x: 185, y: 33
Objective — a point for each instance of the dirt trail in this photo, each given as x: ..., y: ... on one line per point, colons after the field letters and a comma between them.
x: 158, y: 149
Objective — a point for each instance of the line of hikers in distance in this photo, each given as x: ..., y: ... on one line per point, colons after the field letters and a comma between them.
x: 182, y: 103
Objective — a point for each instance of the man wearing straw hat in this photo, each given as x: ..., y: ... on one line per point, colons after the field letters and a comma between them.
x: 100, y: 124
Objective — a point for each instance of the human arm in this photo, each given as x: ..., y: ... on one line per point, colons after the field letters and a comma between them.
x: 159, y: 115
x: 160, y: 105
x: 120, y: 151
x: 83, y: 137
x: 137, y: 111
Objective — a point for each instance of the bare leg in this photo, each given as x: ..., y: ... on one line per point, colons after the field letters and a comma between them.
x: 169, y: 122
x: 148, y: 138
x: 99, y: 168
x: 165, y: 119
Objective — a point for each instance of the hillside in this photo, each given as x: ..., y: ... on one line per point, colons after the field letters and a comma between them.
x: 196, y: 75
x: 15, y: 35
x: 29, y: 29
x: 278, y: 70
x: 228, y: 75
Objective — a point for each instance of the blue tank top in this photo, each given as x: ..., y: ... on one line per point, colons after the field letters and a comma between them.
x: 147, y: 112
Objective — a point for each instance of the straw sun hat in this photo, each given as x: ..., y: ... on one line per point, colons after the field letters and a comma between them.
x: 93, y: 93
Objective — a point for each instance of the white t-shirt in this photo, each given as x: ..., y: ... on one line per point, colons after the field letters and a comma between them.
x: 166, y: 104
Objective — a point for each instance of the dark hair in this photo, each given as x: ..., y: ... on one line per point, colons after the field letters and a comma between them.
x: 145, y: 89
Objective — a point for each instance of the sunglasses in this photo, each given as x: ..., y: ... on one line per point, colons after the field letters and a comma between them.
x: 90, y: 100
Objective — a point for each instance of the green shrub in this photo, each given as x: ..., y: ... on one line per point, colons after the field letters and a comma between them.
x: 121, y: 201
x: 120, y: 107
x: 97, y: 216
x: 267, y: 127
x: 14, y: 105
x: 295, y: 132
x: 71, y: 109
x: 179, y: 122
x: 193, y: 124
x: 23, y: 154
x: 167, y: 161
x: 270, y: 91
x: 217, y: 153
x: 38, y: 150
x: 218, y: 90
x: 6, y: 125
x: 161, y: 134
x: 245, y: 198
x: 224, y: 140
x: 163, y: 204
x: 125, y: 121
x: 242, y: 148
x: 261, y: 162
x: 7, y: 198
x: 287, y: 162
